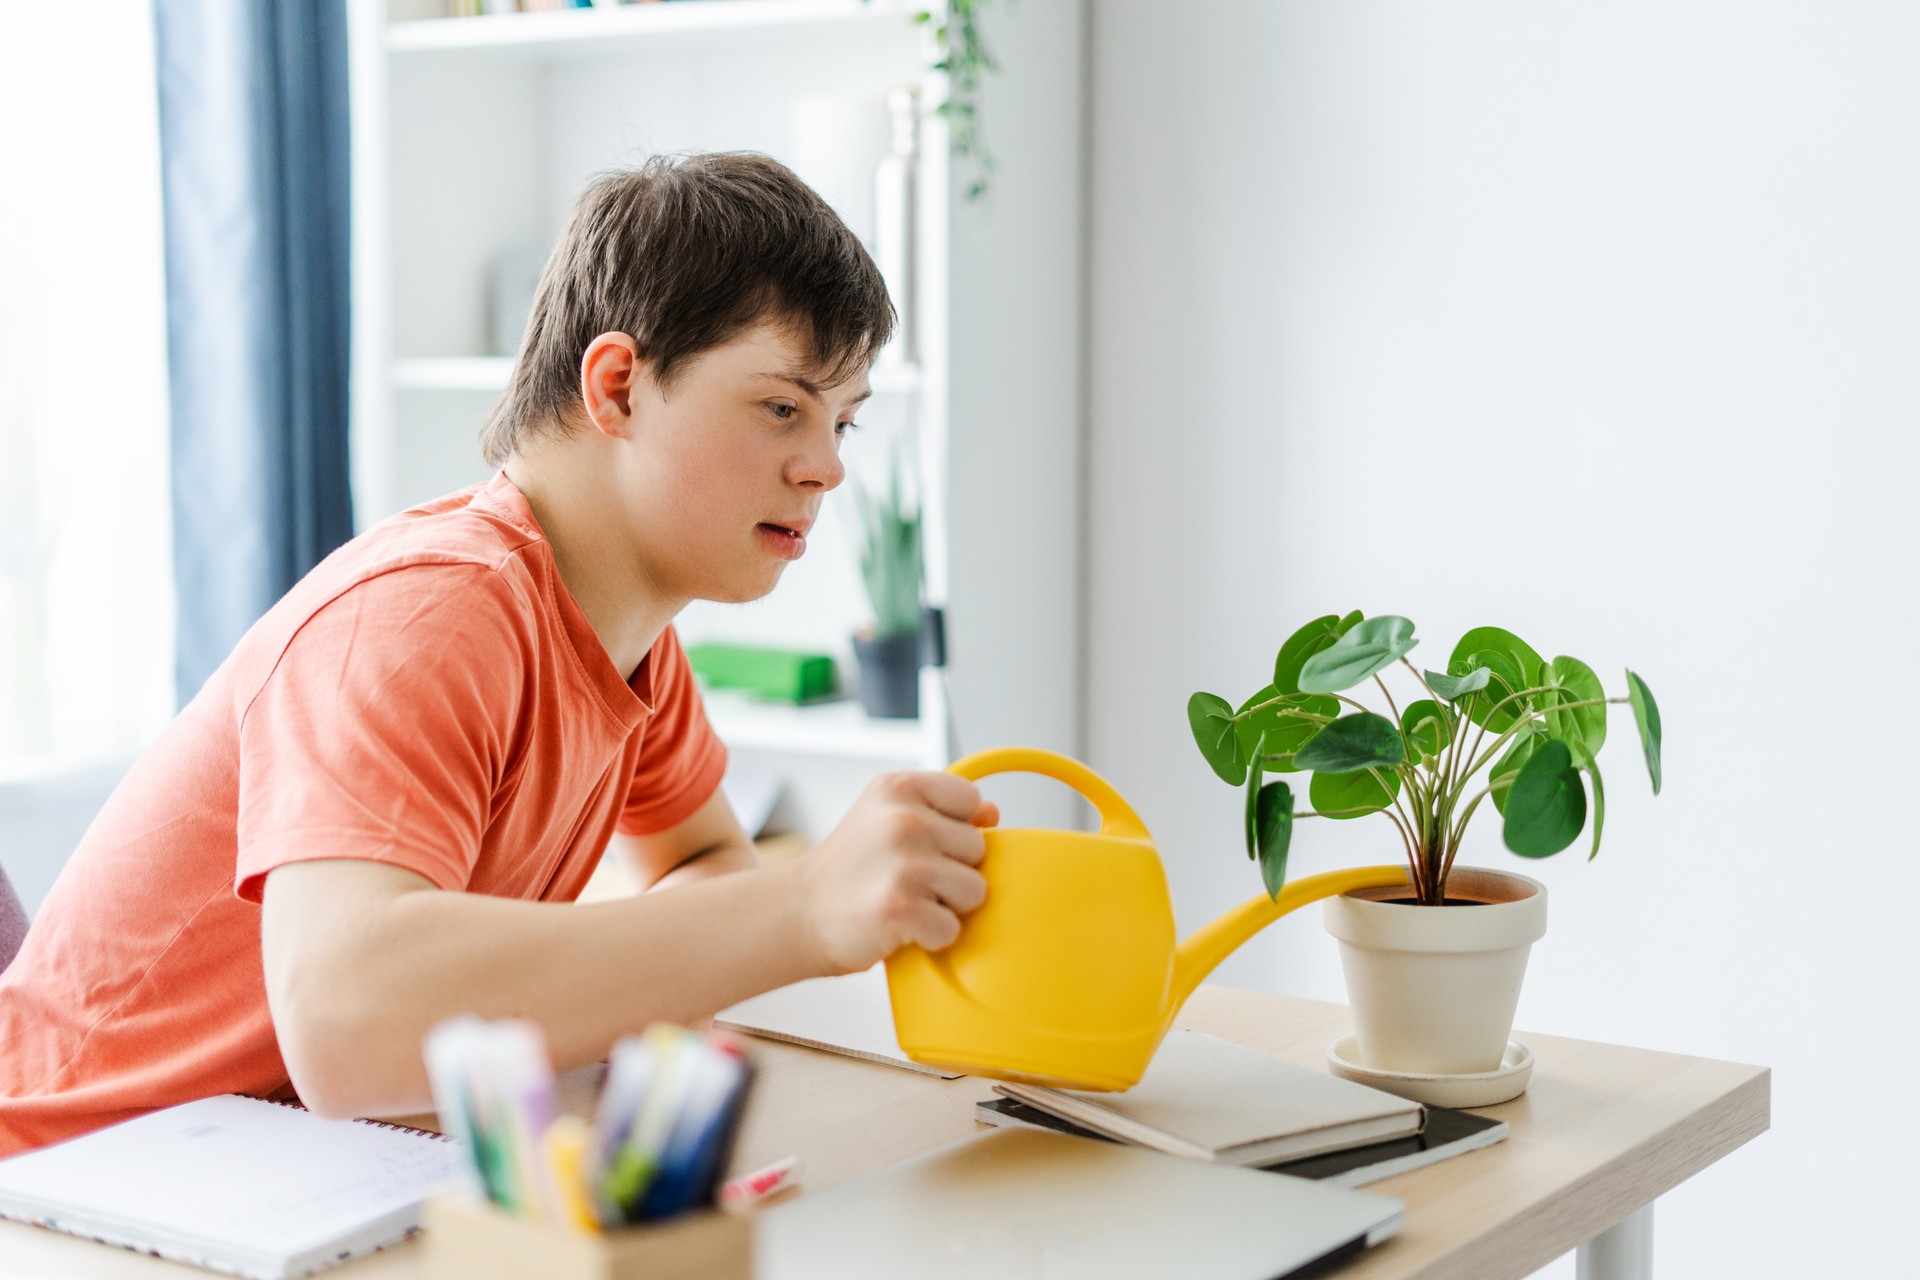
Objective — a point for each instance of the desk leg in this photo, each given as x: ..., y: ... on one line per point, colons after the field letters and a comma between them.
x: 1624, y: 1251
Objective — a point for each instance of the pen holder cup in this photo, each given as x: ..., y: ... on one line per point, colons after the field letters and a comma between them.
x: 471, y: 1240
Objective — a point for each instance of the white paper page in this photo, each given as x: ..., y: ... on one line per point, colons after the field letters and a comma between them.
x: 751, y: 793
x: 850, y: 1013
x: 229, y: 1169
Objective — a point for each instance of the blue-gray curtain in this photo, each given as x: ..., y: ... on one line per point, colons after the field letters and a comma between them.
x: 253, y: 146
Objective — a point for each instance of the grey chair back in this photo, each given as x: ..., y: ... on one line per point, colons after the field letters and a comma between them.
x: 13, y: 921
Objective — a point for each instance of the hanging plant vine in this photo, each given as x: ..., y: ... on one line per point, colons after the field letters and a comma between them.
x: 965, y: 58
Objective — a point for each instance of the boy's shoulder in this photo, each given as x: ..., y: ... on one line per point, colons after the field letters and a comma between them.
x: 484, y: 530
x: 473, y: 563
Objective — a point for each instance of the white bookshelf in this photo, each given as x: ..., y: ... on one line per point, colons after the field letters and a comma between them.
x: 473, y: 135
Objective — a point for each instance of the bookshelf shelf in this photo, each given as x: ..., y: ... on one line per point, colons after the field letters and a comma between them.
x: 840, y: 729
x: 629, y: 28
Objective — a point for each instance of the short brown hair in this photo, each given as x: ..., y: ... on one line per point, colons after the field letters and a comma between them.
x: 682, y: 254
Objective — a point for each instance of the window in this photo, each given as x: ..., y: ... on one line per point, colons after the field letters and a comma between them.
x: 86, y: 592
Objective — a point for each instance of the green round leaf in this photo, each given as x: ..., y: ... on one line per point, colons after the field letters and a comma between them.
x: 1646, y: 714
x: 1285, y: 733
x: 1352, y: 795
x: 1573, y: 681
x: 1275, y: 819
x: 1300, y: 646
x: 1521, y: 670
x: 1599, y: 804
x: 1372, y: 646
x: 1509, y: 765
x: 1358, y: 741
x: 1254, y: 772
x: 1211, y: 718
x: 1454, y: 688
x: 1546, y: 806
x: 1503, y: 679
x: 1427, y: 727
x: 1501, y: 640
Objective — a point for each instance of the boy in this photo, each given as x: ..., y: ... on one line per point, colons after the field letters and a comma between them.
x: 366, y: 820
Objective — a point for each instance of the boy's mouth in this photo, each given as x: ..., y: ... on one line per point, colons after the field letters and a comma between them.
x: 789, y: 544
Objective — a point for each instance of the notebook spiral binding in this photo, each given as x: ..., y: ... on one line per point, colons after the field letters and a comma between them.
x: 298, y: 1105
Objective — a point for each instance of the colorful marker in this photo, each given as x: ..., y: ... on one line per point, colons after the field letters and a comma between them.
x: 752, y: 1188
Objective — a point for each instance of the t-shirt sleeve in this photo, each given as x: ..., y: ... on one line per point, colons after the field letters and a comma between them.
x: 384, y: 729
x: 681, y: 758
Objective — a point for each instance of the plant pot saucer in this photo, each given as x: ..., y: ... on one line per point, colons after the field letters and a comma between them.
x: 1475, y: 1089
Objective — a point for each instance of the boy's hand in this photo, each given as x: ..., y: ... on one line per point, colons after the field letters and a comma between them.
x: 899, y: 868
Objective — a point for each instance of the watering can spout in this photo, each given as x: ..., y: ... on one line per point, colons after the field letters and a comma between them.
x: 1202, y: 953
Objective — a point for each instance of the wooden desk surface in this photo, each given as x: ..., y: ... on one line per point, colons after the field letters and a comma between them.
x: 1601, y: 1131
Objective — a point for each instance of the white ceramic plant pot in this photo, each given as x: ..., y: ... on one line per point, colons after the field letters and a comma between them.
x: 1433, y: 989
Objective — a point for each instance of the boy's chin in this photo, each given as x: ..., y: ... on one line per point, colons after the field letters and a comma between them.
x: 738, y: 593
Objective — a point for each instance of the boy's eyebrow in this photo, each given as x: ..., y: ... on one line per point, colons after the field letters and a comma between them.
x: 786, y: 375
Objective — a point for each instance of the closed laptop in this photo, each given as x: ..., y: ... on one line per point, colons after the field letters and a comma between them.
x: 1021, y: 1202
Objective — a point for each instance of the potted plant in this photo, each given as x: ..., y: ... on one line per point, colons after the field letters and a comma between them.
x: 1433, y: 968
x: 888, y: 654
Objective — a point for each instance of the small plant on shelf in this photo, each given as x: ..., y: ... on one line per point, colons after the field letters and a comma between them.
x: 1546, y: 721
x: 890, y: 557
x: 892, y: 566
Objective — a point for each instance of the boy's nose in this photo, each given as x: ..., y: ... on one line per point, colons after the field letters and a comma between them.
x: 817, y: 469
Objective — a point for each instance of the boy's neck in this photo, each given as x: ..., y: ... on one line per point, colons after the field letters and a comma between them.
x: 567, y: 493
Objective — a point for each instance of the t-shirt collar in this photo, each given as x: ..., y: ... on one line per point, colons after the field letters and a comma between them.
x: 630, y: 701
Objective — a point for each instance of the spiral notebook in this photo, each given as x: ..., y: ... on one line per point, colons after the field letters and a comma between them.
x: 234, y: 1184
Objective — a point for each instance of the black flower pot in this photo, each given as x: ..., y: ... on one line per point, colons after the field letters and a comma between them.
x: 889, y: 675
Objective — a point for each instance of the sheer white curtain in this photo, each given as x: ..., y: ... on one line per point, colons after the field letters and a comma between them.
x: 86, y: 596
x: 86, y: 571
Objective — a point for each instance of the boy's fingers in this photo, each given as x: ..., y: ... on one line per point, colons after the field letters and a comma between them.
x: 948, y: 793
x: 960, y: 889
x: 987, y: 815
x: 960, y: 841
x: 934, y: 927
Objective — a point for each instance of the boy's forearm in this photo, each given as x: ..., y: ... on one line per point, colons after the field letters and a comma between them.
x: 587, y: 974
x: 724, y: 860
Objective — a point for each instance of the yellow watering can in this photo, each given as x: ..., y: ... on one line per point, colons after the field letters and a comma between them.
x: 1068, y: 975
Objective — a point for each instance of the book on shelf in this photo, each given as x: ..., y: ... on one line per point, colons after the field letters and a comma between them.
x: 1211, y: 1099
x: 1444, y: 1133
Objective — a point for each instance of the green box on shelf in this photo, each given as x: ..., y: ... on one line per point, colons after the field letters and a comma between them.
x: 784, y: 675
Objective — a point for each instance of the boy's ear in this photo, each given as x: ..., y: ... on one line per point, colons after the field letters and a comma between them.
x: 611, y: 372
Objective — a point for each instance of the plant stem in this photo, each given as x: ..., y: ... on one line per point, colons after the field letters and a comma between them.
x: 1359, y: 706
x: 1283, y: 711
x: 1527, y: 719
x: 1413, y: 863
x: 1392, y: 795
x: 1423, y: 682
x: 1388, y: 696
x: 1460, y: 829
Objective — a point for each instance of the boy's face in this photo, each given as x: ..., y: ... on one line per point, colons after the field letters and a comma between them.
x: 721, y: 478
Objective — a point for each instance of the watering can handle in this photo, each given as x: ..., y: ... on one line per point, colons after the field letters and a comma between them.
x: 1117, y: 817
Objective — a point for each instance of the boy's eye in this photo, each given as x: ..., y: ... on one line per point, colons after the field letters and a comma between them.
x: 843, y: 427
x: 784, y: 411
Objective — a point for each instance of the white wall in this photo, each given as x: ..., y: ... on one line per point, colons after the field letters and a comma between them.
x: 1598, y: 323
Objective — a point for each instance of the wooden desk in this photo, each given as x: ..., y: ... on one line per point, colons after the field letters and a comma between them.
x: 1600, y: 1133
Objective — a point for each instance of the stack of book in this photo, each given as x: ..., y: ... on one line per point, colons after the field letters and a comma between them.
x: 1210, y: 1099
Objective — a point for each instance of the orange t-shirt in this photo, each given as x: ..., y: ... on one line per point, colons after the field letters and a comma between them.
x: 430, y: 696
